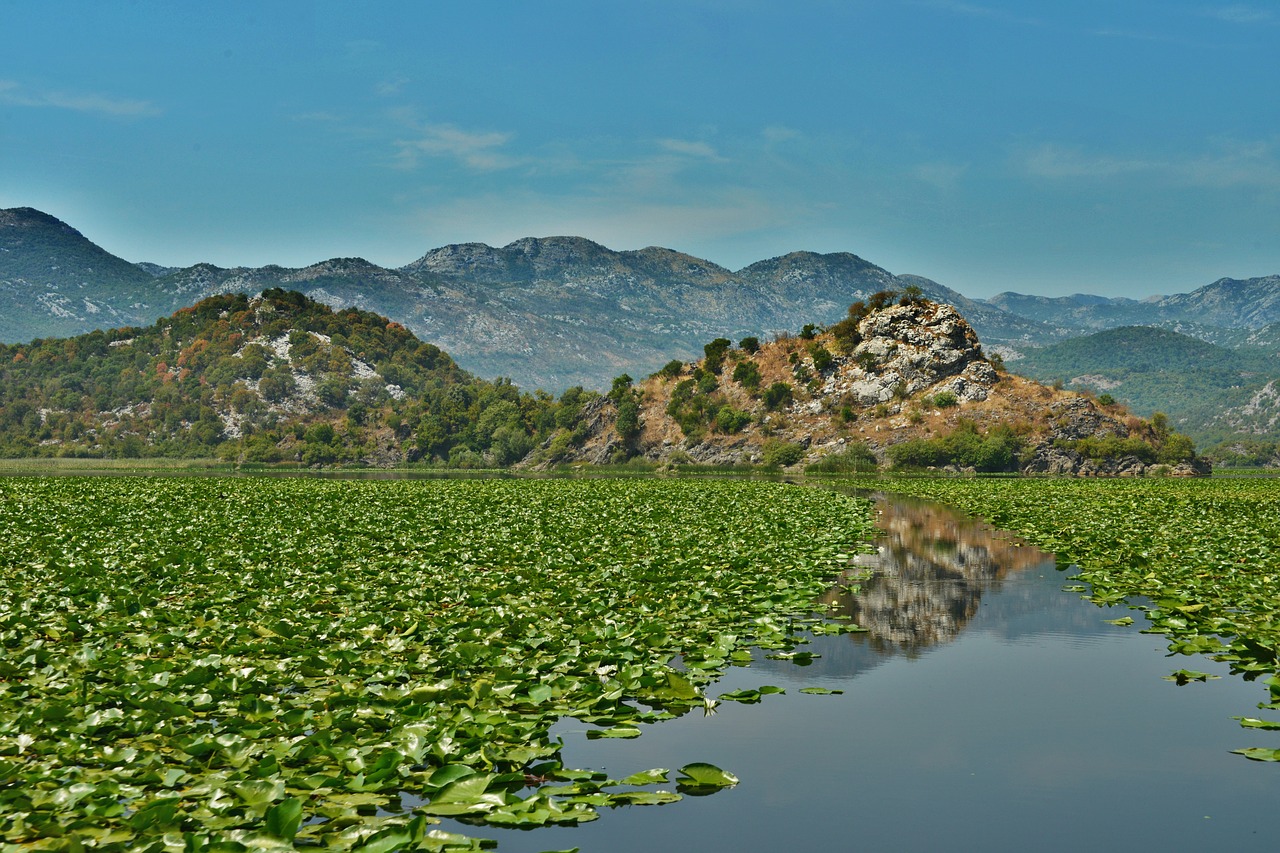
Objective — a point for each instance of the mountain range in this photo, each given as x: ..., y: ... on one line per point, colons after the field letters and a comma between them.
x: 556, y: 312
x: 281, y: 378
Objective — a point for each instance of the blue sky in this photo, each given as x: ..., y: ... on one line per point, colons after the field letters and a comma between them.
x: 1125, y: 148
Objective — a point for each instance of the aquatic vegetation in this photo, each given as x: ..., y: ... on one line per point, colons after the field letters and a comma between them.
x: 235, y: 663
x: 1205, y: 552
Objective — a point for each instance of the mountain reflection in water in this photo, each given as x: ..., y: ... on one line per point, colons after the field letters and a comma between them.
x: 931, y: 568
x: 984, y: 709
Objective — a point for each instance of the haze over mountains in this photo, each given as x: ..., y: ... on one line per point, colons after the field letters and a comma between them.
x: 561, y: 311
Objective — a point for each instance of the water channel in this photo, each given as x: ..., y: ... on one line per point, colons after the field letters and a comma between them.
x: 985, y: 709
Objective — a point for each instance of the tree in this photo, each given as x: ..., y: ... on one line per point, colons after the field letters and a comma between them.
x: 715, y: 353
x: 822, y: 357
x: 671, y: 369
x: 628, y: 423
x: 621, y: 388
x: 1160, y: 426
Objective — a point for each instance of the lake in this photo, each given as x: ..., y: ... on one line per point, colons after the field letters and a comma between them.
x: 985, y: 708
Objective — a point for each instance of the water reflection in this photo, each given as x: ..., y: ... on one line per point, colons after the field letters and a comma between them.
x: 1029, y: 722
x: 931, y: 569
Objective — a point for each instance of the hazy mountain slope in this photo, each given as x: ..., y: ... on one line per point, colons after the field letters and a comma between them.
x: 558, y: 311
x: 827, y: 283
x: 1228, y: 302
x: 1150, y: 369
x: 54, y: 281
x: 1077, y: 312
x: 1225, y: 304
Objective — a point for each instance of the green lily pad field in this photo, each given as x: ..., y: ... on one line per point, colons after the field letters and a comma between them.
x: 1201, y: 557
x: 191, y: 664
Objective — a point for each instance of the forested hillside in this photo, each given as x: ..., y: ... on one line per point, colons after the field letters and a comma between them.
x: 266, y: 379
x: 1212, y: 393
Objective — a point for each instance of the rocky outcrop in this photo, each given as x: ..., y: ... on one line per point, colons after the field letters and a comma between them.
x: 908, y: 348
x: 1049, y: 459
x: 913, y: 370
x: 1075, y: 418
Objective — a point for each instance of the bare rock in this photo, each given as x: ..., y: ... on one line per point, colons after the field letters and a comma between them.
x: 1077, y: 418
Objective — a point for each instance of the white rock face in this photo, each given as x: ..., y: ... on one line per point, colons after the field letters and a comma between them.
x: 908, y: 348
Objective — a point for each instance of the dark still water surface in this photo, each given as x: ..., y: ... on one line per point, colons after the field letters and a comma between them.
x: 986, y: 709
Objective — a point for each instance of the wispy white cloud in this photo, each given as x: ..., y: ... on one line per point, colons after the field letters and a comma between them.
x: 1135, y: 35
x: 940, y: 175
x: 322, y: 116
x: 776, y: 133
x: 1238, y: 13
x: 15, y: 94
x: 1059, y: 161
x: 391, y: 86
x: 689, y: 148
x: 478, y: 151
x: 1231, y: 164
x: 973, y: 10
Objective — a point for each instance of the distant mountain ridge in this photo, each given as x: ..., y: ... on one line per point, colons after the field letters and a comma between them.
x: 1227, y: 303
x: 546, y: 312
x: 554, y: 312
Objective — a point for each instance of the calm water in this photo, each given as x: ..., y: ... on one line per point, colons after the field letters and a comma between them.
x: 986, y: 709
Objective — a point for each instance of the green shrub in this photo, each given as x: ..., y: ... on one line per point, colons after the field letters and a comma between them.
x: 747, y: 374
x: 965, y: 447
x: 855, y: 458
x: 1111, y: 447
x: 918, y: 453
x: 628, y: 423
x: 880, y: 299
x: 776, y: 396
x: 781, y: 454
x: 750, y: 344
x: 277, y: 383
x: 621, y: 388
x: 945, y: 399
x: 822, y: 357
x: 731, y: 420
x: 320, y: 433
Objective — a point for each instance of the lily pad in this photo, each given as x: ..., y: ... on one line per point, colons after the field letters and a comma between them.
x: 624, y: 732
x: 702, y: 775
x: 1186, y: 676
